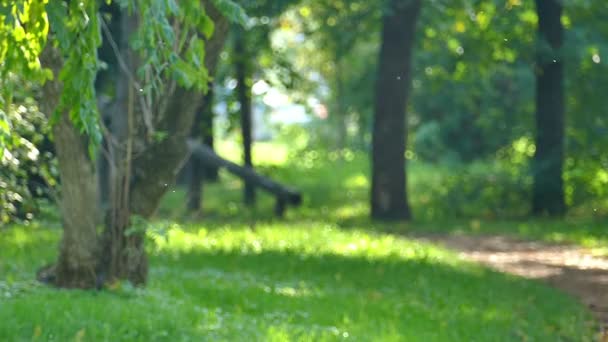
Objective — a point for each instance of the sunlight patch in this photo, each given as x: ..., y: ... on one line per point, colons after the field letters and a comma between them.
x: 314, y: 240
x: 357, y: 181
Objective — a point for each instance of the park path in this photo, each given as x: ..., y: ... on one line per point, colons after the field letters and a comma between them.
x: 569, y: 268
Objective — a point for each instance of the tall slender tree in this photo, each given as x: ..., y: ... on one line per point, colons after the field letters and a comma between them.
x: 243, y: 78
x: 548, y: 190
x: 201, y: 129
x: 389, y: 194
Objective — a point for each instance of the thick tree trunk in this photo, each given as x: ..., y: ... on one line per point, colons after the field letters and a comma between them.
x: 243, y: 77
x: 77, y: 263
x: 141, y: 178
x: 548, y: 190
x: 158, y: 165
x: 389, y: 194
x: 137, y: 181
x: 123, y: 255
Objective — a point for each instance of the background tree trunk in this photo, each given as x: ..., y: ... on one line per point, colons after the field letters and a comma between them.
x: 389, y: 194
x: 243, y: 77
x: 208, y: 132
x: 203, y: 123
x: 548, y: 190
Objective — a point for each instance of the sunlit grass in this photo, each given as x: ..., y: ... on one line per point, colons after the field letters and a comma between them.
x: 284, y: 282
x: 305, y: 240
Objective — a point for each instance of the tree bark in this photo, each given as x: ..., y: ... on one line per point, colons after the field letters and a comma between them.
x: 389, y: 193
x: 211, y: 173
x: 243, y: 77
x: 548, y: 189
x: 153, y: 168
x: 198, y: 171
x: 137, y: 181
x: 76, y: 266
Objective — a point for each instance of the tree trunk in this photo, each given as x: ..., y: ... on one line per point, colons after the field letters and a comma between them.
x: 340, y: 113
x: 389, y: 193
x: 211, y: 173
x: 548, y: 190
x: 154, y: 167
x: 78, y: 251
x: 137, y: 180
x: 198, y: 171
x: 243, y: 77
x: 123, y: 255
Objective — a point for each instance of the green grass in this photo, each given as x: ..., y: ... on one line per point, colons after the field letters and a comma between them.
x: 590, y: 233
x: 336, y: 185
x: 323, y: 273
x: 279, y: 282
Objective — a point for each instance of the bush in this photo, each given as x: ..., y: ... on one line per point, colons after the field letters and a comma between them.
x: 27, y: 163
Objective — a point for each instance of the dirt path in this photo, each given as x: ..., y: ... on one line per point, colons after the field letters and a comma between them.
x: 566, y: 267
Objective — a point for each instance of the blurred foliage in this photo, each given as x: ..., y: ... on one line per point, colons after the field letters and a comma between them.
x: 471, y: 115
x: 482, y: 198
x: 27, y: 168
x: 335, y: 185
x: 473, y: 83
x: 262, y: 61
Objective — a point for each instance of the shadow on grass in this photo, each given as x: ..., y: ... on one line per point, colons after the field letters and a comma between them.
x: 415, y: 299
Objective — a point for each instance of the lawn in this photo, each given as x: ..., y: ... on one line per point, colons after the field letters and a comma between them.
x: 279, y: 282
x: 323, y: 273
x: 478, y: 199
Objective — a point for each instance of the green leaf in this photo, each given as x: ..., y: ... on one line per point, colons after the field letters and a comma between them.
x: 231, y: 10
x: 206, y: 26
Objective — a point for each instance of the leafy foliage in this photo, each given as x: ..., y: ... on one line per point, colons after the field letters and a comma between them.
x: 22, y: 24
x: 76, y: 32
x: 74, y: 28
x: 27, y: 169
x: 166, y: 51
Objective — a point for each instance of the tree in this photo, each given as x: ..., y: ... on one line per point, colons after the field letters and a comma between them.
x: 202, y: 129
x: 548, y: 189
x: 249, y: 42
x: 149, y: 133
x: 244, y: 79
x: 162, y: 73
x: 388, y: 194
x: 79, y: 247
x: 345, y: 65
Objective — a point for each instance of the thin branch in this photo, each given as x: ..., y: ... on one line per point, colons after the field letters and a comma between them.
x: 123, y: 65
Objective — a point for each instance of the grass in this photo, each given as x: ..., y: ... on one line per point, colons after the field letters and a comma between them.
x: 336, y: 190
x: 298, y: 282
x: 324, y: 273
